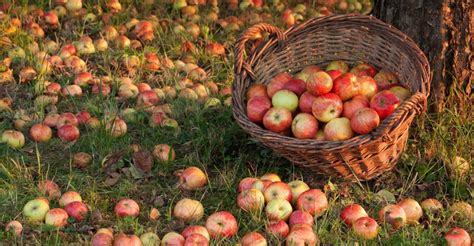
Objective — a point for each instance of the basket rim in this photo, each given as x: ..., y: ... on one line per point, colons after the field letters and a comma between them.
x: 417, y: 101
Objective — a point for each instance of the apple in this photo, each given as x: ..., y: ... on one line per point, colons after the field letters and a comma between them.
x: 53, y: 89
x: 346, y: 86
x: 71, y: 90
x: 367, y: 86
x: 14, y: 139
x: 123, y: 239
x: 101, y: 89
x: 307, y: 71
x: 73, y: 5
x: 221, y: 224
x: 385, y: 79
x: 320, y: 135
x: 297, y: 86
x: 76, y: 210
x: 68, y: 133
x: 277, y: 119
x: 103, y: 237
x: 172, y: 238
x: 245, y: 184
x: 384, y: 102
x: 128, y: 91
x: 461, y: 211
x: 51, y: 18
x: 150, y: 239
x: 285, y: 99
x: 116, y: 127
x: 277, y: 83
x: 56, y: 217
x: 49, y: 188
x: 35, y: 210
x: 257, y: 106
x: 251, y: 200
x: 351, y: 213
x: 365, y: 120
x: 277, y: 190
x: 304, y: 126
x: 327, y: 107
x: 253, y: 239
x: 192, y: 178
x: 313, y: 201
x: 196, y: 229
x: 81, y: 160
x: 51, y: 120
x: 458, y: 237
x: 278, y: 209
x: 147, y: 99
x: 363, y: 69
x: 278, y: 228
x: 271, y: 176
x: 142, y: 87
x: 15, y: 227
x: 297, y: 188
x: 302, y: 234
x: 214, y: 89
x: 319, y: 83
x: 338, y: 129
x: 188, y: 210
x: 431, y: 205
x: 164, y: 152
x: 261, y: 185
x: 82, y: 117
x: 41, y: 133
x: 401, y: 92
x: 196, y: 240
x: 394, y: 215
x: 301, y: 217
x: 412, y: 210
x: 66, y: 119
x: 365, y: 228
x: 68, y: 197
x: 127, y: 207
x: 338, y: 65
x: 334, y: 74
x: 306, y: 102
x: 353, y: 105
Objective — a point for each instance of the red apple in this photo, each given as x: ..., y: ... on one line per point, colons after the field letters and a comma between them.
x: 351, y: 213
x: 401, y: 92
x: 253, y: 239
x: 302, y: 234
x: 385, y: 79
x: 319, y: 83
x: 196, y: 240
x: 365, y: 228
x: 116, y: 127
x: 285, y: 99
x: 384, y: 102
x: 68, y: 133
x: 51, y: 120
x: 277, y: 190
x: 15, y: 227
x: 82, y: 117
x: 49, y: 188
x: 364, y: 69
x: 123, y: 239
x: 297, y: 188
x: 66, y: 119
x: 68, y: 197
x: 56, y: 217
x: 334, y: 74
x: 431, y: 205
x: 304, y: 126
x: 196, y: 229
x: 313, y: 201
x: 297, y: 86
x: 277, y: 83
x: 301, y: 217
x: 192, y: 178
x: 367, y: 86
x: 327, y: 107
x: 251, y: 200
x: 307, y: 71
x: 364, y: 121
x: 394, y: 215
x: 458, y: 237
x: 338, y: 65
x: 353, y: 105
x: 164, y: 152
x: 76, y: 210
x: 221, y: 224
x: 257, y: 106
x: 412, y: 209
x: 40, y: 133
x: 306, y: 102
x: 278, y: 228
x: 346, y: 86
x: 147, y: 99
x: 246, y: 184
x: 127, y: 207
x: 103, y: 237
x: 71, y: 90
x: 278, y: 209
x: 277, y: 119
x: 338, y: 129
x: 257, y: 90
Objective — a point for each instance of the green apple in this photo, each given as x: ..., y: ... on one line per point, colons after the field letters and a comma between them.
x: 278, y: 209
x: 35, y: 210
x: 285, y: 99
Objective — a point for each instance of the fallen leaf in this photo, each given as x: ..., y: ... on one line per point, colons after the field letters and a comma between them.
x: 386, y: 195
x: 143, y: 160
x: 154, y: 214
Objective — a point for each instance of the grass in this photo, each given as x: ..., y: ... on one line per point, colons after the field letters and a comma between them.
x: 210, y: 139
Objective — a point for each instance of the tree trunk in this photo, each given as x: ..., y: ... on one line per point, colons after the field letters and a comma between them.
x: 443, y: 29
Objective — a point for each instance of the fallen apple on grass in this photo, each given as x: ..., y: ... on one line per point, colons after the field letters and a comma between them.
x: 15, y: 227
x: 49, y: 188
x: 393, y: 215
x: 251, y: 200
x: 192, y: 178
x: 297, y: 188
x: 14, y: 139
x: 103, y: 237
x: 458, y: 237
x: 279, y: 229
x: 300, y: 217
x: 366, y: 228
x: 150, y: 239
x: 196, y: 240
x: 41, y: 133
x: 68, y: 197
x: 302, y: 234
x: 246, y: 184
x: 351, y: 213
x: 127, y: 208
x: 77, y: 210
x: 56, y: 217
x: 278, y: 209
x: 188, y: 210
x: 313, y: 201
x: 253, y: 239
x: 35, y: 210
x: 123, y: 239
x: 221, y: 224
x: 412, y: 210
x: 277, y: 190
x: 196, y: 229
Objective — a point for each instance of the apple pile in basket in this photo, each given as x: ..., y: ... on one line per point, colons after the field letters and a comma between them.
x: 332, y: 104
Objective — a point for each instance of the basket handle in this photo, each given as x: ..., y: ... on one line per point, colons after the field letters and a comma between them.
x: 251, y: 34
x: 417, y: 104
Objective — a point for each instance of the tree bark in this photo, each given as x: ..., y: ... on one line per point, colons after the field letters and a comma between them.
x: 443, y: 29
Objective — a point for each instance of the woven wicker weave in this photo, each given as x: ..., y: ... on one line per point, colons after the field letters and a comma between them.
x: 351, y: 38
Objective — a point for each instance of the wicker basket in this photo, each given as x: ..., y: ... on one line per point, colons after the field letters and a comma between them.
x: 351, y: 38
